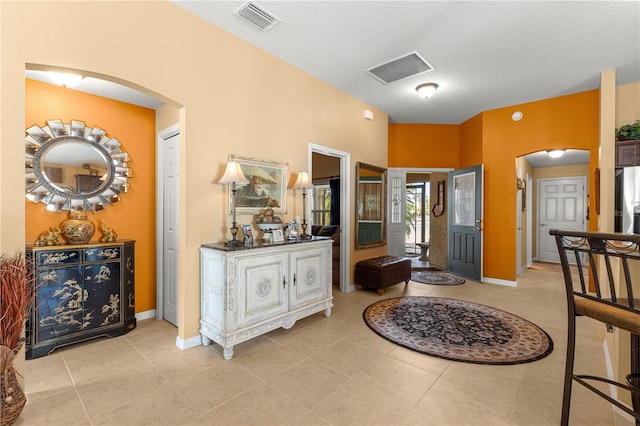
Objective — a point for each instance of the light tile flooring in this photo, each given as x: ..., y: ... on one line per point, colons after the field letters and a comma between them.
x: 322, y: 371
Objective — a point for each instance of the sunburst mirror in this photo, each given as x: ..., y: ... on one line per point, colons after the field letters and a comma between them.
x: 69, y: 166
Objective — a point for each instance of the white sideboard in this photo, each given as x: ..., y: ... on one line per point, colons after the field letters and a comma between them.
x: 249, y: 291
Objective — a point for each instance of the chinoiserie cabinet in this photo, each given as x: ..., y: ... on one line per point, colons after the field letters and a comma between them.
x: 83, y: 291
x: 248, y: 291
x: 628, y: 153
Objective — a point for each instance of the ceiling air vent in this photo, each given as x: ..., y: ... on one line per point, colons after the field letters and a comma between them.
x: 400, y: 68
x: 257, y: 16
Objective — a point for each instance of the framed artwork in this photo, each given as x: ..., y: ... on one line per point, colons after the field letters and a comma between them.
x: 278, y: 236
x: 248, y: 234
x: 267, y: 187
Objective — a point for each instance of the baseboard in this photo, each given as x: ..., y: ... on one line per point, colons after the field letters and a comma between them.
x: 613, y: 390
x: 146, y: 315
x: 191, y: 342
x: 499, y: 282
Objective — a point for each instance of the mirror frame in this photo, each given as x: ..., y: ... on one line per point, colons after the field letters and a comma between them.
x: 383, y: 205
x: 38, y: 186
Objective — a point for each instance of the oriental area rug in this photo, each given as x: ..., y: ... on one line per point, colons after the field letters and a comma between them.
x: 436, y: 278
x: 458, y: 330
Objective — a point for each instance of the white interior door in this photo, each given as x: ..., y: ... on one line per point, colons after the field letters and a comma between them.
x: 561, y: 205
x: 170, y: 227
x: 396, y: 215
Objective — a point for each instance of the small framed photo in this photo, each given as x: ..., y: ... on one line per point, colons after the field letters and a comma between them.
x: 278, y: 236
x: 248, y: 234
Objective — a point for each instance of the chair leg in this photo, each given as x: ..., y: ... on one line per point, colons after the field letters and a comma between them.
x: 568, y: 370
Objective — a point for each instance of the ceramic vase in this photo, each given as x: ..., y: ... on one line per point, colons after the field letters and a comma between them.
x: 12, y: 397
x: 78, y: 229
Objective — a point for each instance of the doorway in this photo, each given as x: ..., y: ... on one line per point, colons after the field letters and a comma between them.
x: 417, y: 213
x: 343, y: 187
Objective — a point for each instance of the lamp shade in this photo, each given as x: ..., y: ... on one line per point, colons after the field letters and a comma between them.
x: 426, y: 90
x: 556, y: 153
x: 303, y: 181
x: 233, y: 174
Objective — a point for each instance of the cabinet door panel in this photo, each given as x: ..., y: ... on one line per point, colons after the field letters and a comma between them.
x: 60, y: 299
x: 262, y: 283
x: 102, y: 286
x: 310, y: 275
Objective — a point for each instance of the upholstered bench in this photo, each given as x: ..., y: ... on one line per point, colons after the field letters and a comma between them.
x: 382, y: 272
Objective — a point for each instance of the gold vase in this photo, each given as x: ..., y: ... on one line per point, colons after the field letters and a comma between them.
x: 12, y: 397
x: 78, y: 229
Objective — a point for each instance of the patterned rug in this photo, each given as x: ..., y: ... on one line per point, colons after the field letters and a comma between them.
x: 436, y: 278
x: 458, y: 330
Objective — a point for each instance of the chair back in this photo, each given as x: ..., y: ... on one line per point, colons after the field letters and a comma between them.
x: 595, y: 245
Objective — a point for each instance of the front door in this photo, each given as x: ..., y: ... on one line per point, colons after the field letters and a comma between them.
x: 465, y: 222
x: 561, y: 206
x: 396, y: 224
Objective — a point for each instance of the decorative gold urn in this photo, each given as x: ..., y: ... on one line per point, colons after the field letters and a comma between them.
x: 78, y: 229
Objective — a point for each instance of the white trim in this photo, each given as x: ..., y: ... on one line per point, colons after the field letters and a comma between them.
x: 141, y: 316
x: 191, y: 342
x: 423, y: 170
x: 529, y: 207
x: 508, y: 283
x: 613, y: 390
x: 162, y: 136
x: 345, y: 208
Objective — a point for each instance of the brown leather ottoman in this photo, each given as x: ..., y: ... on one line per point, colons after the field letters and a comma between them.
x: 382, y: 272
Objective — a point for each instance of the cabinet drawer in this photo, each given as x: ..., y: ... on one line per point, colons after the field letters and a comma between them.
x: 58, y: 257
x: 97, y: 254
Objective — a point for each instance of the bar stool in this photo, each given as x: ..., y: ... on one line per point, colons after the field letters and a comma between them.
x: 612, y: 304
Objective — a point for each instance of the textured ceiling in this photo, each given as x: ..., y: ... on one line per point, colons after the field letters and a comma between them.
x: 486, y: 55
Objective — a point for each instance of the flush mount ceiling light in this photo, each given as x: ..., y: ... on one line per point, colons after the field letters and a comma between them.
x: 556, y: 153
x: 65, y: 79
x: 426, y: 90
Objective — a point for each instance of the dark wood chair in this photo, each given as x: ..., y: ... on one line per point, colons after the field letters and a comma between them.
x: 613, y: 260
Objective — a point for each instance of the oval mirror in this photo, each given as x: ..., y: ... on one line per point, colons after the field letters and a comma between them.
x: 74, y: 167
x: 371, y: 204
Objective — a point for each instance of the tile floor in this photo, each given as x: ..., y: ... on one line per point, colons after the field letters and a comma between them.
x: 323, y: 371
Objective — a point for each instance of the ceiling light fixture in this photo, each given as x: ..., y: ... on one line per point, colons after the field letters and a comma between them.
x: 65, y: 79
x: 426, y: 90
x: 556, y: 153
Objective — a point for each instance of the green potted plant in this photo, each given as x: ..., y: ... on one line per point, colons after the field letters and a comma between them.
x: 628, y: 132
x: 16, y: 299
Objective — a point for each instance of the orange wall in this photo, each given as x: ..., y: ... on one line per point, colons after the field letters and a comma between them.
x: 471, y: 142
x: 424, y: 145
x: 570, y: 121
x: 495, y: 140
x: 133, y: 216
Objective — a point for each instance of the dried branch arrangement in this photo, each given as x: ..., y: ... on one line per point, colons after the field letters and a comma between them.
x: 16, y: 298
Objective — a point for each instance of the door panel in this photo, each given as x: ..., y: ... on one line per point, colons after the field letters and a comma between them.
x: 310, y: 276
x: 561, y: 204
x: 396, y: 226
x: 465, y: 222
x: 171, y: 197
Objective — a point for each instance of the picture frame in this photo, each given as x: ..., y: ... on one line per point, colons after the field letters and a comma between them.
x: 267, y: 187
x: 248, y: 233
x: 278, y: 236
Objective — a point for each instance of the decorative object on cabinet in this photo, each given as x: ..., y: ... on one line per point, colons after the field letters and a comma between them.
x: 233, y: 175
x: 109, y: 235
x: 246, y: 292
x: 438, y: 207
x: 278, y: 236
x: 304, y: 182
x: 267, y: 186
x: 16, y: 301
x: 82, y: 292
x: 248, y: 235
x: 78, y: 229
x: 56, y: 153
x: 628, y: 132
x: 294, y: 232
x: 371, y: 189
x: 628, y: 153
x: 49, y: 238
x: 267, y: 221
